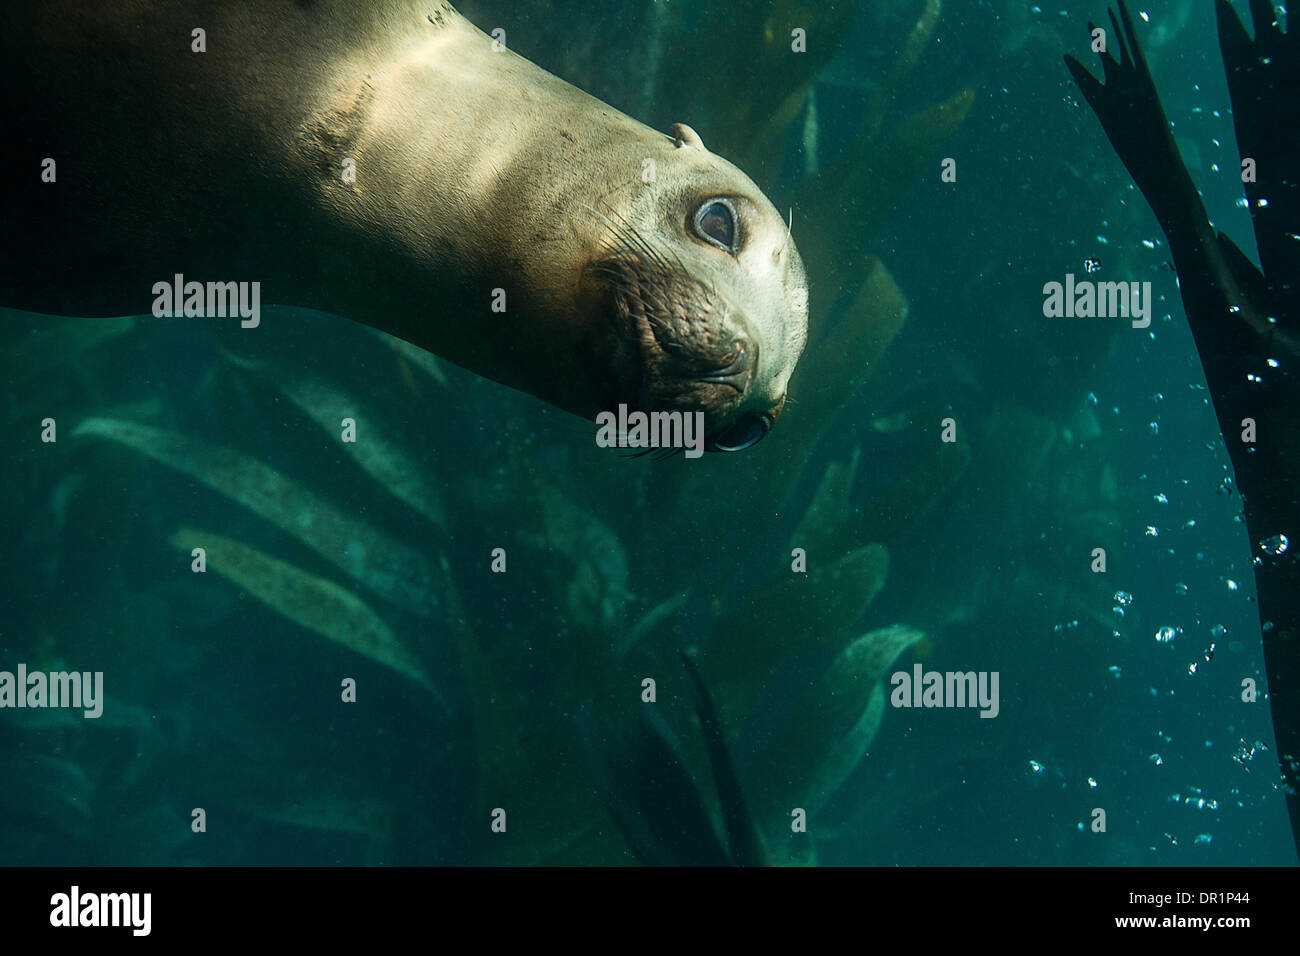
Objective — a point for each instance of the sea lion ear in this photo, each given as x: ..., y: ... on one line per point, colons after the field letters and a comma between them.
x: 683, y: 135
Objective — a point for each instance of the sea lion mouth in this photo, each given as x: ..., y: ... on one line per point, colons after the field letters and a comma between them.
x: 681, y: 349
x: 745, y: 432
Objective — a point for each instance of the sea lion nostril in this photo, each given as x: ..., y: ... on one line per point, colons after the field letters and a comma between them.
x: 746, y: 432
x: 737, y: 372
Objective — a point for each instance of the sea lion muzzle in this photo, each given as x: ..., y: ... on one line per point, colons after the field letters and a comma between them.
x: 684, y: 347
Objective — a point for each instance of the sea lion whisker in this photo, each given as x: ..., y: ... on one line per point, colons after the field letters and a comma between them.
x: 626, y: 237
x: 618, y: 280
x: 654, y: 252
x: 659, y: 257
x: 650, y: 304
x: 655, y: 291
x: 655, y: 255
x: 634, y: 242
x: 651, y: 288
x: 665, y: 274
x: 633, y: 237
x: 648, y: 307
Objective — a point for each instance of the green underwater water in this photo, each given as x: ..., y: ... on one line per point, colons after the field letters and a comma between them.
x: 479, y: 690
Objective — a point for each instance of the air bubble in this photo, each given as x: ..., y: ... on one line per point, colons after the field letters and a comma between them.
x: 1275, y: 545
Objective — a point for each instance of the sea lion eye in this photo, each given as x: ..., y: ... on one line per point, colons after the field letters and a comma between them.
x: 715, y: 222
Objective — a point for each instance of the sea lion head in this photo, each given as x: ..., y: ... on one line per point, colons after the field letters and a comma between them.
x: 706, y: 294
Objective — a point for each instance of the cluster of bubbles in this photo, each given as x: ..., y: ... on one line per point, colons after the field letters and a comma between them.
x: 1245, y: 752
x: 1194, y: 798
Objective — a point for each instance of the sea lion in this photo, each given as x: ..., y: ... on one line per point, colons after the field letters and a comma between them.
x: 1245, y: 319
x: 391, y: 163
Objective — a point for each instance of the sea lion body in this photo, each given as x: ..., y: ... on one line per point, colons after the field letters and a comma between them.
x: 391, y: 164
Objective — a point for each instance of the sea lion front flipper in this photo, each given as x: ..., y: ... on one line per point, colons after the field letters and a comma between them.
x: 1238, y: 315
x: 1134, y: 120
x: 1263, y: 76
